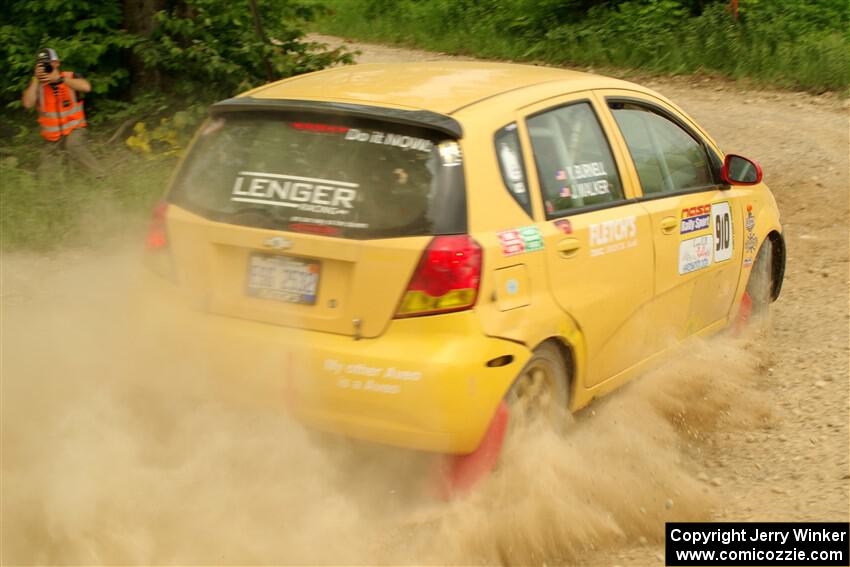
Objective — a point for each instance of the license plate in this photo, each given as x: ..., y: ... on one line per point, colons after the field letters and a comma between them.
x: 294, y: 280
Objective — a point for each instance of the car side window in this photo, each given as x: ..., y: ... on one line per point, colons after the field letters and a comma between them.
x: 509, y: 154
x: 573, y: 158
x: 667, y: 158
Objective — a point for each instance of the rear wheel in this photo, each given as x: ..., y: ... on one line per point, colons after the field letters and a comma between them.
x: 539, y: 392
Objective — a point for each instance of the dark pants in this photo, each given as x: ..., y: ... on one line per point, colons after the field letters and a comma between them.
x: 75, y: 144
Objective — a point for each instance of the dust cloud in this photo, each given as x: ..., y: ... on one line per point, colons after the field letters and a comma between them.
x: 129, y: 435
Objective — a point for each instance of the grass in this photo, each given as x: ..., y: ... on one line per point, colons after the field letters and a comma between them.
x: 71, y: 208
x: 773, y: 48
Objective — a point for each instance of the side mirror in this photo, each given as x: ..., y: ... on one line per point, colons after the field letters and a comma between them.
x: 738, y: 170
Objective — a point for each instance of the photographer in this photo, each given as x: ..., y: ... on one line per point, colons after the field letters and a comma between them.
x: 60, y: 110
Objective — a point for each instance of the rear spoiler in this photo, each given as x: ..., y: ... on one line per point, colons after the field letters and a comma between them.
x: 441, y: 122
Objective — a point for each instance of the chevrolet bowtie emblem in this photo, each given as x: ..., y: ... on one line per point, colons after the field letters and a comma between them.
x: 277, y: 242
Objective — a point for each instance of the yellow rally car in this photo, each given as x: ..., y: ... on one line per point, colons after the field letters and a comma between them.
x: 414, y: 244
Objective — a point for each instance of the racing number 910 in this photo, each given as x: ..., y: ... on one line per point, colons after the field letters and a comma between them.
x: 722, y: 231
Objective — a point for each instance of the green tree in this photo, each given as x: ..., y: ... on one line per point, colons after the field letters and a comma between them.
x: 192, y: 51
x: 208, y: 49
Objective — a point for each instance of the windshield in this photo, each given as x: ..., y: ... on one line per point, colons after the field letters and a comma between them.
x: 329, y: 175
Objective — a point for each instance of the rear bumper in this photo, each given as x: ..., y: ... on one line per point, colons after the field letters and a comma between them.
x: 423, y: 384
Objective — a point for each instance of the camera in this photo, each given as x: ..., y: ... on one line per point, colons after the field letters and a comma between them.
x: 44, y: 63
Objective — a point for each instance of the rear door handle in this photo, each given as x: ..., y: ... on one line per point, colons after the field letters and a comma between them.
x: 568, y: 247
x: 669, y: 225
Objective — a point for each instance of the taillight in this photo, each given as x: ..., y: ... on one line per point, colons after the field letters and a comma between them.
x: 446, y: 278
x: 157, y: 237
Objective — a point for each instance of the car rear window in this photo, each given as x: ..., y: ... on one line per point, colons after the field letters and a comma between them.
x: 331, y: 175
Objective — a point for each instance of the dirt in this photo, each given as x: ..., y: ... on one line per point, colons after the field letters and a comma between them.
x: 126, y: 438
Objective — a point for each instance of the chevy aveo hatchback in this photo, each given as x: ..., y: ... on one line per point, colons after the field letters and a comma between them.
x: 427, y: 244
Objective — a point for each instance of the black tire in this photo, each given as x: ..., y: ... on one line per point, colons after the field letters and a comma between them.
x: 760, y: 286
x: 541, y: 388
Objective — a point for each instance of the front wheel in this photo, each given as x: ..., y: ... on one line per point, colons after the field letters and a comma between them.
x: 755, y: 304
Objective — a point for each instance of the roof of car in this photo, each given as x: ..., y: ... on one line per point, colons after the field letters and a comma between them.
x: 438, y: 86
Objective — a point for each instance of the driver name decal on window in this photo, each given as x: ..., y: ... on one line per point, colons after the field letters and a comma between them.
x: 323, y: 196
x: 579, y: 180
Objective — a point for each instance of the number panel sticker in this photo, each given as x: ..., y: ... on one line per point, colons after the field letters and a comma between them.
x: 721, y: 219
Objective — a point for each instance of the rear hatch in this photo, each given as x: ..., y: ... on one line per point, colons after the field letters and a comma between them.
x: 313, y: 219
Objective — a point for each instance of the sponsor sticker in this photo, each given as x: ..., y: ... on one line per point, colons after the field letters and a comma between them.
x: 751, y: 240
x: 695, y: 219
x: 318, y: 127
x: 695, y: 254
x: 329, y: 222
x: 532, y: 238
x: 695, y: 224
x: 520, y: 240
x: 751, y: 243
x: 511, y: 242
x: 366, y: 378
x: 750, y: 223
x: 564, y: 225
x: 389, y: 139
x: 696, y: 211
x: 613, y: 236
x: 323, y: 196
x: 450, y: 155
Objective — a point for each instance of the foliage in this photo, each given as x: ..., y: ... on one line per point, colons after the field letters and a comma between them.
x: 209, y: 49
x: 169, y: 137
x: 72, y: 209
x: 791, y: 43
x: 197, y: 52
x: 85, y: 33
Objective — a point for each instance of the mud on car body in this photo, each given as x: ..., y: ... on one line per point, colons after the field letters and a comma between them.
x: 422, y: 247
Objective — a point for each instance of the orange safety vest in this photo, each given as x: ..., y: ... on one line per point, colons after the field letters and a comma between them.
x: 59, y: 111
